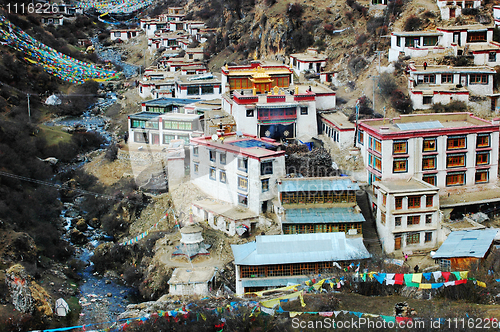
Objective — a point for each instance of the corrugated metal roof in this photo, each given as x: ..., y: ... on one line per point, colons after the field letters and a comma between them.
x: 169, y: 101
x: 322, y: 215
x: 327, y: 184
x: 299, y: 248
x: 467, y: 243
x: 272, y: 282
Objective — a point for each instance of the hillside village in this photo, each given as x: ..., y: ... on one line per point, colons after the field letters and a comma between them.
x: 281, y: 176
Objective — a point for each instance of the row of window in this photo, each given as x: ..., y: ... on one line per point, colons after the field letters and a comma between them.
x: 410, y: 220
x: 318, y: 197
x: 321, y: 228
x: 458, y: 178
x: 197, y: 90
x: 278, y: 270
x: 400, y: 165
x: 430, y: 144
x: 449, y: 78
x: 331, y: 132
x: 245, y: 83
x: 413, y: 202
x: 242, y: 181
x: 177, y: 125
x: 142, y: 137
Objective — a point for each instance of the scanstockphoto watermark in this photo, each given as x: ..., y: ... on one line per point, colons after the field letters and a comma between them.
x: 362, y: 323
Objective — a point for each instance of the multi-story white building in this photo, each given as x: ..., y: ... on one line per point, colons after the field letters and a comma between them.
x: 451, y: 9
x: 238, y: 169
x: 407, y: 214
x: 442, y: 84
x: 264, y: 103
x: 496, y: 14
x: 446, y: 149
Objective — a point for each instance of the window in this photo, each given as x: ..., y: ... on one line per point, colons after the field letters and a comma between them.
x: 429, y: 201
x: 478, y: 79
x: 430, y: 40
x: 377, y: 146
x: 482, y: 176
x: 414, y: 202
x: 482, y: 158
x: 399, y: 147
x: 265, y: 185
x: 222, y: 158
x: 361, y: 137
x: 141, y: 137
x: 412, y: 220
x: 382, y: 218
x: 399, y: 203
x: 242, y: 200
x: 303, y: 111
x: 446, y: 78
x: 222, y: 176
x: 427, y: 100
x: 207, y: 90
x: 456, y: 143
x: 444, y: 264
x: 413, y: 238
x: 430, y: 179
x: 117, y: 34
x: 397, y: 221
x: 384, y: 199
x: 266, y: 168
x: 429, y: 163
x: 193, y: 90
x: 398, y: 41
x: 213, y: 155
x: 431, y: 78
x: 429, y: 145
x: 400, y: 165
x: 455, y: 160
x: 455, y: 179
x: 250, y: 113
x: 195, y: 151
x: 196, y: 168
x: 212, y: 173
x: 242, y: 183
x: 428, y: 218
x: 492, y: 57
x: 243, y: 164
x: 428, y: 237
x: 168, y: 138
x: 483, y: 140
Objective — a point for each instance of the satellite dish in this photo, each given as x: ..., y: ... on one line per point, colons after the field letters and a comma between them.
x: 214, y: 137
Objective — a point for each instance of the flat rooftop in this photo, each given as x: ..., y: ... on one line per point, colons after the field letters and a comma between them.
x: 475, y: 47
x: 180, y: 116
x: 419, y: 69
x: 198, y: 79
x: 339, y: 119
x: 309, y: 57
x: 470, y: 27
x: 195, y: 275
x: 416, y: 33
x: 469, y: 195
x: 430, y: 89
x: 412, y: 185
x: 226, y: 210
x: 168, y: 102
x: 225, y: 144
x: 421, y: 123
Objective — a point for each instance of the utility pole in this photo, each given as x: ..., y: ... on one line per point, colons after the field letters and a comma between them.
x: 29, y: 110
x: 356, y: 131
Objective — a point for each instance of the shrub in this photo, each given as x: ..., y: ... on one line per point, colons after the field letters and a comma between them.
x: 413, y: 23
x: 469, y: 11
x: 401, y: 102
x: 362, y: 38
x: 269, y: 3
x: 295, y: 10
x: 357, y: 64
x: 454, y: 106
x: 328, y: 28
x: 387, y: 84
x: 349, y: 15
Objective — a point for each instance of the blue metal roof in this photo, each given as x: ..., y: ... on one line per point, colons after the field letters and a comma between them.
x: 253, y: 143
x: 169, y: 101
x: 272, y: 282
x: 469, y: 243
x: 325, y: 184
x: 144, y: 115
x: 299, y: 248
x: 322, y: 215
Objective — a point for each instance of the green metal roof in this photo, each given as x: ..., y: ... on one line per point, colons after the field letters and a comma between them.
x: 322, y: 215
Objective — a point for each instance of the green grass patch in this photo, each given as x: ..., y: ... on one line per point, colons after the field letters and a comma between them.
x: 54, y: 135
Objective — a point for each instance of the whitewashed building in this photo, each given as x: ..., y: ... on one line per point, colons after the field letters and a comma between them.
x: 338, y: 128
x: 445, y: 149
x: 496, y: 14
x: 206, y: 86
x: 238, y: 169
x: 452, y: 9
x: 124, y: 34
x: 407, y: 215
x: 442, y: 84
x: 415, y: 44
x: 192, y: 281
x: 310, y: 61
